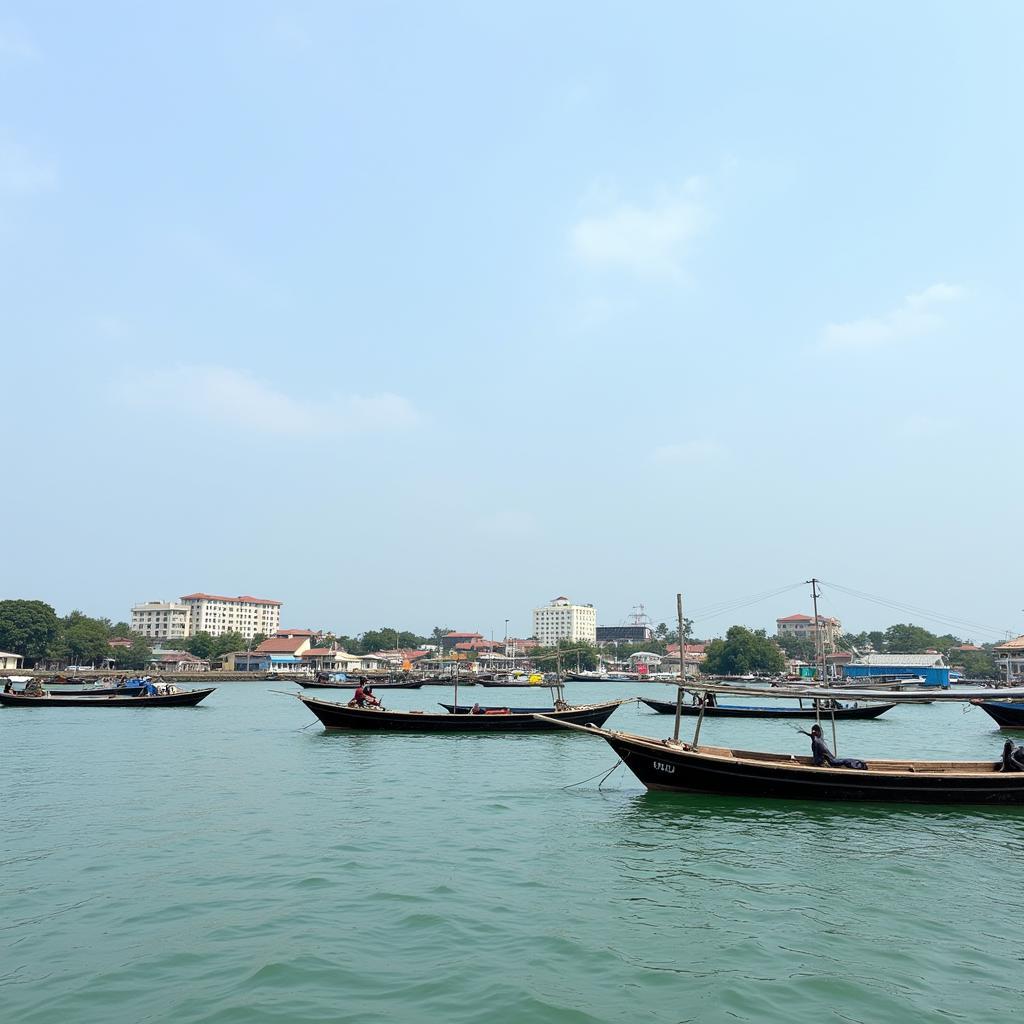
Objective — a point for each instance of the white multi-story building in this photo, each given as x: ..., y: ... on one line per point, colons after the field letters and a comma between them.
x: 562, y: 620
x: 161, y: 620
x: 216, y: 614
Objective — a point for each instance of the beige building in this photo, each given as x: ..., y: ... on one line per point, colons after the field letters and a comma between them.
x: 216, y: 614
x: 802, y: 628
x: 161, y: 620
x: 1010, y: 659
x: 563, y: 620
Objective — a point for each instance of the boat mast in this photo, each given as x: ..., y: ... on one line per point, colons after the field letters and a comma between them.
x: 682, y: 667
x: 819, y: 657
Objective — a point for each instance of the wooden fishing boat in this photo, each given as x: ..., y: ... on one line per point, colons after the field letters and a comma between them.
x: 350, y: 684
x: 341, y: 716
x: 181, y: 699
x: 671, y: 766
x: 844, y: 711
x: 465, y: 709
x: 97, y: 691
x: 1009, y: 714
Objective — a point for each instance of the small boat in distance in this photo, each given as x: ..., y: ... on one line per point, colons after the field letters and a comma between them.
x: 351, y: 684
x: 342, y: 716
x: 841, y: 711
x: 178, y: 699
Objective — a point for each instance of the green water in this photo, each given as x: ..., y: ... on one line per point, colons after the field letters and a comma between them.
x: 223, y: 864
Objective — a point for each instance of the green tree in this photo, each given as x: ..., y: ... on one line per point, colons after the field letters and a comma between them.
x: 575, y: 654
x: 661, y: 631
x: 796, y: 647
x: 135, y: 657
x: 200, y: 644
x: 438, y: 633
x: 741, y: 652
x: 257, y: 639
x: 906, y: 638
x: 28, y: 628
x: 85, y: 640
x: 975, y: 664
x: 387, y: 638
x: 226, y: 643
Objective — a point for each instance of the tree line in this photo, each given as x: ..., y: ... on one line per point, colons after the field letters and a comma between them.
x: 35, y: 631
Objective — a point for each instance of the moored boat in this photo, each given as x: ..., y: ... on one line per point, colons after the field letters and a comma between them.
x: 671, y: 766
x: 341, y: 716
x: 1009, y: 714
x: 842, y: 711
x: 351, y: 684
x: 96, y: 691
x: 179, y: 699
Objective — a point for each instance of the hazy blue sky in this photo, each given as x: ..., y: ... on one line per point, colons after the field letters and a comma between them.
x: 427, y: 313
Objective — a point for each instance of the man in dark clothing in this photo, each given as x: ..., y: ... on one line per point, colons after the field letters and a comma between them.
x: 1013, y: 758
x: 821, y: 755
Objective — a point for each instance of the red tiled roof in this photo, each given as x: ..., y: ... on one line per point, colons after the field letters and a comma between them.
x: 295, y: 632
x: 468, y: 636
x: 318, y: 652
x: 221, y: 597
x: 795, y: 618
x: 281, y: 645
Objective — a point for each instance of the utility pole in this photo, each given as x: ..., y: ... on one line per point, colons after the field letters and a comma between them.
x: 819, y: 647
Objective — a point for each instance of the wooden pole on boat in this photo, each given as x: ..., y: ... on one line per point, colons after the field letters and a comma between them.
x: 682, y: 667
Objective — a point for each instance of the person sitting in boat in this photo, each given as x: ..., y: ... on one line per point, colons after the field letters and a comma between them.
x: 148, y: 689
x: 363, y: 697
x: 34, y: 688
x: 822, y: 756
x: 8, y: 687
x: 1013, y: 758
x: 477, y: 710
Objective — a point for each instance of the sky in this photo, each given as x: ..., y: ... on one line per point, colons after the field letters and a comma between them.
x: 423, y: 314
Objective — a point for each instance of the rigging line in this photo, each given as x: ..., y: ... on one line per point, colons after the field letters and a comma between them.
x: 899, y: 606
x: 723, y: 607
x: 603, y: 772
x: 910, y: 607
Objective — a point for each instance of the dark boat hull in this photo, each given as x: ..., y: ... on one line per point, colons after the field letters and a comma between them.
x: 1007, y: 715
x: 104, y: 691
x: 464, y: 709
x: 351, y: 685
x: 339, y: 716
x: 674, y: 769
x: 667, y: 707
x: 183, y: 699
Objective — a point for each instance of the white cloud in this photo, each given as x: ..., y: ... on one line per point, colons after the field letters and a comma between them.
x: 22, y: 173
x: 238, y: 399
x: 916, y: 315
x: 648, y: 241
x: 687, y: 453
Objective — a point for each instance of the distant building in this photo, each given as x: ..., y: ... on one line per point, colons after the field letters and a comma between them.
x: 162, y: 620
x: 801, y: 627
x: 451, y: 640
x: 623, y: 634
x: 563, y: 620
x: 10, y: 660
x: 285, y: 652
x: 216, y: 614
x: 1010, y: 659
x: 929, y: 667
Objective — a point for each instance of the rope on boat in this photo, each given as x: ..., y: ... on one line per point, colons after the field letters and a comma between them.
x: 603, y: 774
